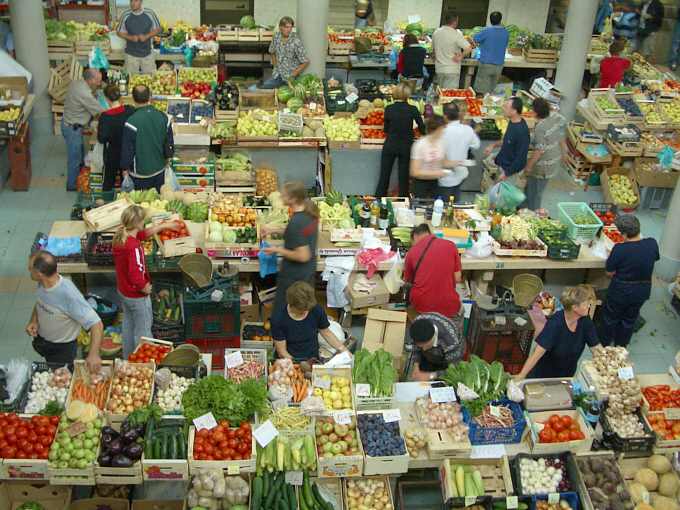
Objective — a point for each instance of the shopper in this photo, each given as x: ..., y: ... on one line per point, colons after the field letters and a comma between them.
x: 675, y: 44
x: 59, y: 314
x: 438, y: 342
x: 433, y: 266
x: 449, y: 48
x: 459, y: 138
x: 630, y: 264
x: 7, y: 39
x: 613, y: 67
x: 299, y: 241
x: 625, y: 23
x: 398, y: 125
x: 549, y: 149
x: 363, y: 14
x: 493, y: 42
x: 80, y: 106
x: 428, y: 160
x: 148, y: 143
x: 138, y: 27
x: 604, y: 12
x: 289, y: 57
x: 411, y: 60
x: 296, y: 327
x: 132, y: 275
x: 512, y: 157
x: 651, y: 18
x: 110, y: 134
x: 566, y: 333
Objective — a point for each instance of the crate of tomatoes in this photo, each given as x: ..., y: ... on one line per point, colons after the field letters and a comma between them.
x: 176, y: 240
x: 551, y: 432
x: 374, y: 120
x: 222, y: 446
x: 26, y: 445
x: 150, y: 349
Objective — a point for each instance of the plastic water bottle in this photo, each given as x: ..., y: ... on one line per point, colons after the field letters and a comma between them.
x: 431, y: 95
x: 437, y: 212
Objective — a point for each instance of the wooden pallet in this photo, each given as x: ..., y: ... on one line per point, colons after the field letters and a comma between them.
x: 541, y: 56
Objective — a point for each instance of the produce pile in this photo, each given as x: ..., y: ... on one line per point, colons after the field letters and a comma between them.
x: 288, y: 418
x: 656, y: 484
x: 606, y: 103
x: 661, y: 397
x: 543, y: 476
x: 211, y: 490
x: 96, y: 392
x: 224, y: 442
x: 76, y: 452
x: 629, y: 106
x: 560, y: 429
x: 337, y: 215
x: 127, y: 447
x: 467, y: 481
x: 250, y: 368
x: 606, y: 486
x: 335, y: 440
x: 130, y: 387
x: 266, y: 183
x: 170, y: 388
x: 447, y: 416
x: 375, y: 369
x: 378, y: 438
x: 367, y: 494
x: 48, y: 386
x: 249, y: 126
x: 666, y: 430
x: 32, y: 437
x: 614, y: 235
x: 496, y: 417
x: 164, y: 84
x: 651, y: 112
x: 344, y: 129
x: 226, y: 96
x: 287, y: 454
x: 415, y: 438
x: 165, y: 305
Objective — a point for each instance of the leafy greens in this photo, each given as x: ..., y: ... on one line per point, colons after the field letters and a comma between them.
x: 375, y: 369
x: 489, y: 381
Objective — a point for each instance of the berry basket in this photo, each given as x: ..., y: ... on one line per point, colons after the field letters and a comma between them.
x: 569, y: 210
x: 498, y: 435
x: 559, y: 245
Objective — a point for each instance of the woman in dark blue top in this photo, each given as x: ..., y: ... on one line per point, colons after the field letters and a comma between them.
x: 295, y: 327
x: 630, y: 264
x: 110, y: 134
x: 565, y: 335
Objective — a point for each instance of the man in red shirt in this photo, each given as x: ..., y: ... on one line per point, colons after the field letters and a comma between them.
x: 434, y: 286
x: 612, y: 68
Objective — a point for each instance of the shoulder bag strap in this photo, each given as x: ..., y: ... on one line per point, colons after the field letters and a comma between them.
x: 413, y: 278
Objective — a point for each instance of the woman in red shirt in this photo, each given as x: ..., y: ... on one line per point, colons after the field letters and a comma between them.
x: 612, y: 68
x: 133, y: 280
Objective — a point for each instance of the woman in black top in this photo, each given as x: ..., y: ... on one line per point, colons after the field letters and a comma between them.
x: 399, y: 118
x: 110, y: 134
x: 411, y: 59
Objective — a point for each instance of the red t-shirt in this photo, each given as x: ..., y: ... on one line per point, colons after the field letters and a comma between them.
x: 434, y: 289
x: 132, y: 274
x: 612, y: 71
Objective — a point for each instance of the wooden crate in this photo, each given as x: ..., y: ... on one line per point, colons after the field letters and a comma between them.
x: 612, y: 115
x: 670, y: 123
x: 576, y: 136
x: 543, y: 252
x: 266, y: 34
x: 232, y: 246
x: 244, y: 466
x: 84, y: 46
x: 115, y: 420
x: 72, y: 476
x: 495, y: 476
x: 18, y: 469
x: 536, y: 55
x: 79, y: 371
x: 381, y: 478
x: 118, y: 475
x: 255, y: 344
x: 154, y: 341
x: 578, y: 446
x: 386, y: 465
x: 15, y: 494
x: 61, y: 46
x: 624, y: 149
x: 61, y: 77
x: 227, y: 33
x: 608, y: 198
x: 174, y: 247
x: 257, y: 99
x: 248, y: 35
x: 651, y: 124
x: 578, y: 484
x: 226, y: 115
x: 439, y: 443
x: 166, y: 469
x: 335, y: 48
x: 106, y: 217
x: 663, y: 445
x: 333, y: 484
x: 341, y: 467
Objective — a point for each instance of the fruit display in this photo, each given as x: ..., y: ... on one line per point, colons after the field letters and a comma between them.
x: 621, y: 188
x: 334, y: 440
x: 607, y: 218
x: 606, y: 104
x: 651, y: 112
x: 140, y: 79
x: 131, y: 387
x: 226, y: 96
x: 200, y: 111
x: 672, y: 111
x: 447, y: 416
x: 169, y: 390
x: 223, y: 492
x: 121, y: 449
x: 543, y: 476
x: 179, y: 110
x: 462, y: 93
x: 337, y: 215
x: 654, y: 485
x: 76, y: 452
x: 249, y: 126
x: 194, y: 89
x: 629, y: 106
x: 387, y: 89
x: 560, y: 429
x: 148, y: 352
x: 287, y: 454
x: 415, y: 439
x: 373, y: 134
x: 342, y: 129
x: 652, y: 141
x: 546, y: 302
x: 531, y: 244
x: 339, y: 395
x: 47, y: 386
x: 257, y: 333
x: 166, y: 233
x: 223, y: 131
x: 614, y: 235
x: 380, y: 439
x: 164, y: 84
x: 197, y: 75
x: 224, y: 442
x: 474, y: 107
x: 605, y: 484
x: 368, y: 493
x: 27, y: 438
x: 10, y: 114
x: 233, y: 216
x: 368, y: 90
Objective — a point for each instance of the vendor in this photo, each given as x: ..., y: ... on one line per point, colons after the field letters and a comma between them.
x: 565, y: 335
x: 295, y: 327
x: 289, y: 57
x: 438, y: 343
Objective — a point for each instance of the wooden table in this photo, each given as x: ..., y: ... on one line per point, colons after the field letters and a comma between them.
x: 591, y: 163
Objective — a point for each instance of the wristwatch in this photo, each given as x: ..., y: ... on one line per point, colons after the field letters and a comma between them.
x: 433, y: 376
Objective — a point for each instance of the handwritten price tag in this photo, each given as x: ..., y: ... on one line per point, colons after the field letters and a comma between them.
x: 312, y: 106
x: 489, y: 451
x: 233, y: 469
x: 351, y: 97
x: 511, y: 502
x: 342, y: 418
x: 553, y: 498
x: 470, y: 500
x: 266, y: 118
x: 77, y: 428
x: 445, y: 394
x: 645, y: 497
x: 207, y: 421
x: 494, y: 411
x: 626, y: 373
x: 234, y: 359
x: 265, y: 433
x: 392, y: 415
x: 363, y: 390
x: 341, y: 102
x: 324, y: 384
x: 293, y: 477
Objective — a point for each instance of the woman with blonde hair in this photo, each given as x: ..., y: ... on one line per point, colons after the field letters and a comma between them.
x: 565, y: 335
x: 299, y: 240
x: 133, y: 280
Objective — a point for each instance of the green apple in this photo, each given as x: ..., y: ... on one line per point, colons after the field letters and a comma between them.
x: 82, y: 463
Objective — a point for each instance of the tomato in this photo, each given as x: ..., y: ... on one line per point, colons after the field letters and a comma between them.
x: 198, y: 448
x: 245, y: 425
x: 202, y: 456
x: 54, y: 420
x: 242, y: 448
x: 574, y: 425
x: 581, y: 435
x: 44, y: 453
x: 132, y: 358
x: 558, y: 426
x: 11, y: 430
x: 32, y: 437
x: 12, y: 439
x: 554, y: 418
x: 218, y: 455
x: 9, y: 452
x: 209, y: 449
x: 232, y: 443
x: 21, y: 443
x: 12, y: 417
x: 46, y: 441
x: 240, y: 433
x: 3, y: 443
x: 231, y: 434
x: 573, y: 435
x: 218, y: 436
x: 41, y: 431
x: 22, y: 432
x: 552, y: 433
x: 28, y: 448
x: 21, y: 455
x: 219, y: 428
x: 249, y: 436
x: 34, y: 419
x: 238, y: 456
x: 199, y: 441
x: 566, y: 420
x: 38, y: 448
x: 33, y: 455
x: 224, y: 445
x: 246, y: 456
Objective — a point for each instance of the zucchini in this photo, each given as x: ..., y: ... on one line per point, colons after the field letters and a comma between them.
x: 273, y: 490
x: 284, y: 497
x: 176, y: 314
x: 306, y: 491
x: 182, y: 445
x: 173, y: 446
x: 257, y: 493
x: 292, y: 499
x: 265, y: 484
x: 164, y: 448
x: 277, y: 500
x: 148, y: 448
x: 157, y: 448
x: 167, y: 301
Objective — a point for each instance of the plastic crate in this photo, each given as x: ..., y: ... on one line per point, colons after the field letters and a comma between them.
x: 570, y: 497
x: 40, y: 243
x: 88, y: 198
x: 566, y: 457
x: 162, y: 262
x: 461, y: 503
x: 19, y: 403
x: 565, y: 250
x: 158, y: 286
x: 501, y: 435
x: 603, y: 208
x: 170, y: 332
x: 638, y: 446
x: 106, y: 317
x: 215, y: 345
x: 290, y: 122
x: 571, y: 209
x: 621, y: 138
x: 98, y: 259
x: 206, y: 317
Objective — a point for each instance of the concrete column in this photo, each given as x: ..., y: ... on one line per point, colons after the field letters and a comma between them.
x: 312, y: 23
x: 575, y: 45
x: 28, y: 30
x: 669, y: 248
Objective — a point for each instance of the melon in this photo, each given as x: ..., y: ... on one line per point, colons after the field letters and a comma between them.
x: 109, y: 347
x: 299, y: 91
x: 198, y: 211
x: 248, y: 22
x: 364, y: 103
x: 284, y: 93
x: 167, y: 193
x: 75, y: 410
x: 294, y: 103
x: 177, y: 207
x: 189, y: 198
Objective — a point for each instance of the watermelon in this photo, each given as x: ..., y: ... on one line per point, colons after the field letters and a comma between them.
x: 294, y: 103
x: 299, y: 91
x: 176, y: 206
x: 248, y: 23
x: 334, y: 197
x: 413, y: 27
x: 109, y: 347
x: 198, y: 211
x: 284, y: 93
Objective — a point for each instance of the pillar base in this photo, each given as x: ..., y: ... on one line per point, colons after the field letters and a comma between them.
x: 666, y: 269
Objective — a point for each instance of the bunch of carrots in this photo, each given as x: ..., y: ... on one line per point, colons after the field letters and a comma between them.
x: 94, y: 394
x: 298, y: 381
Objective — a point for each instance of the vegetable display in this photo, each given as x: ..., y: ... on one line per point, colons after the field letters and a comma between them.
x: 287, y: 454
x: 77, y: 452
x: 207, y: 490
x: 446, y: 416
x: 249, y: 369
x: 368, y: 493
x: 606, y: 487
x: 560, y: 429
x: 224, y: 442
x: 289, y: 418
x: 170, y: 388
x: 466, y: 481
x: 501, y: 417
x: 543, y: 476
x: 247, y: 125
x: 662, y: 397
x: 165, y: 439
x: 96, y: 392
x: 47, y: 386
x: 271, y: 493
x: 337, y: 215
x: 378, y: 438
x: 121, y: 449
x: 667, y: 430
x: 375, y: 369
x: 131, y: 387
x: 415, y: 438
x: 27, y: 438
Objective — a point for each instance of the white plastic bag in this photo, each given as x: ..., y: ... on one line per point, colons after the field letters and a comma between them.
x: 495, y: 194
x: 481, y: 248
x: 127, y: 185
x: 392, y: 279
x: 336, y: 329
x: 97, y: 158
x: 599, y: 250
x: 171, y: 180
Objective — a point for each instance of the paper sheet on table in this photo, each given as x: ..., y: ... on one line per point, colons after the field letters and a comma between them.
x: 410, y: 391
x: 344, y: 358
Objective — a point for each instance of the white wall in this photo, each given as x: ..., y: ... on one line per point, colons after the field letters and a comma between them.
x: 430, y: 11
x: 270, y: 12
x: 531, y: 14
x: 186, y: 10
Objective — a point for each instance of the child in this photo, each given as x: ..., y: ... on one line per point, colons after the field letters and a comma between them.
x: 612, y: 68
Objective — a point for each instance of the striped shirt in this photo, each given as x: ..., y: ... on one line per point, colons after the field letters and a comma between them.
x: 138, y: 23
x: 547, y: 136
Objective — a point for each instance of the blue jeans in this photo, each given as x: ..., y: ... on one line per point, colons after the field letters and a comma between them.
x: 675, y: 46
x: 137, y: 319
x: 274, y: 83
x: 75, y: 151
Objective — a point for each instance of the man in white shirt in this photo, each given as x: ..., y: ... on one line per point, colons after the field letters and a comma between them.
x: 450, y: 47
x: 459, y: 139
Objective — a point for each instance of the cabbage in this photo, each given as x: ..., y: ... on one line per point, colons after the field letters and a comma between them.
x: 229, y: 236
x: 346, y: 223
x: 215, y: 226
x: 215, y: 237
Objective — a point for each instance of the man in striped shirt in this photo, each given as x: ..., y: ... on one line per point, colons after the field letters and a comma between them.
x: 138, y: 27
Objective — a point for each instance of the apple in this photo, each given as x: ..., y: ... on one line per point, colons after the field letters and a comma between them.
x: 328, y: 454
x: 352, y: 425
x: 354, y: 443
x: 78, y: 444
x: 79, y: 454
x: 323, y: 439
x: 327, y: 428
x: 317, y: 432
x: 319, y: 423
x: 343, y: 445
x: 336, y: 448
x: 341, y: 430
x: 327, y: 447
x: 333, y: 437
x: 347, y: 439
x: 63, y: 464
x: 82, y: 463
x: 90, y: 456
x: 53, y: 455
x: 73, y: 463
x: 353, y: 450
x: 319, y: 451
x: 68, y: 448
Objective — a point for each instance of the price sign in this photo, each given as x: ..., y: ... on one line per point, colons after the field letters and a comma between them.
x: 363, y: 390
x: 494, y: 411
x: 470, y: 500
x: 553, y: 498
x: 293, y: 477
x: 341, y: 102
x: 77, y: 428
x: 444, y: 394
x: 392, y: 415
x: 511, y: 502
x: 266, y: 118
x: 265, y: 433
x: 324, y: 384
x: 180, y: 115
x: 351, y: 97
x: 672, y: 413
x: 207, y: 421
x: 626, y: 373
x: 233, y: 469
x: 645, y: 497
x: 342, y: 418
x: 198, y: 117
x: 312, y: 106
x: 489, y: 451
x: 234, y: 359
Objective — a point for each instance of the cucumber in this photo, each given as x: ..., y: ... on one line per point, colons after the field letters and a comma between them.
x: 176, y: 314
x: 167, y: 301
x: 284, y: 497
x: 257, y: 493
x: 292, y: 499
x: 273, y: 490
x: 182, y: 445
x: 277, y: 500
x: 157, y: 449
x: 303, y: 504
x: 173, y: 446
x: 148, y: 448
x: 265, y: 484
x: 164, y: 448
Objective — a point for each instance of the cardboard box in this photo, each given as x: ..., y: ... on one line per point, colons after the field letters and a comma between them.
x: 202, y: 163
x: 386, y: 329
x: 17, y: 88
x: 14, y: 494
x: 646, y: 177
x: 543, y: 88
x: 190, y: 134
x: 379, y: 296
x: 94, y: 503
x: 157, y: 504
x: 346, y: 145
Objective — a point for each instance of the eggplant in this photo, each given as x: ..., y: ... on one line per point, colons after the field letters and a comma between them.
x: 109, y: 432
x: 128, y: 434
x: 116, y: 446
x: 140, y: 429
x: 134, y: 450
x: 105, y: 459
x: 106, y: 440
x: 121, y: 460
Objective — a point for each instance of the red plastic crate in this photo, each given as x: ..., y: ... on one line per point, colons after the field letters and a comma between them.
x: 216, y: 345
x: 502, y: 348
x: 208, y: 317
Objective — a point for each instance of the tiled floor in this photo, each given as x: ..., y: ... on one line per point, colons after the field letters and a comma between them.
x: 26, y: 213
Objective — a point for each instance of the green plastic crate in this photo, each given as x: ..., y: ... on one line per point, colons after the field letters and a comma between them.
x: 568, y: 210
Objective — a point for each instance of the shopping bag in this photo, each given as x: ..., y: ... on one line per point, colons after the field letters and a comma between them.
x: 128, y: 184
x: 392, y: 279
x: 97, y: 158
x: 512, y: 195
x: 171, y: 180
x: 97, y: 59
x: 481, y: 248
x: 495, y: 195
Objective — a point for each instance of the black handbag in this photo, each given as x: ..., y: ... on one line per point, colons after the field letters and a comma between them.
x: 409, y: 285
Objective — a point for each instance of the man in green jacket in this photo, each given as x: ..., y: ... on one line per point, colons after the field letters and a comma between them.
x: 148, y: 144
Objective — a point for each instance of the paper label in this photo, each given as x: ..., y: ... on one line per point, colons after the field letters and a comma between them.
x: 234, y: 359
x: 342, y: 418
x: 392, y: 415
x: 233, y: 469
x: 553, y: 498
x: 487, y: 451
x: 265, y: 433
x: 207, y: 421
x: 626, y: 373
x: 77, y: 428
x: 293, y: 478
x: 442, y: 394
x: 341, y: 102
x: 324, y: 384
x: 266, y: 118
x: 494, y: 411
x: 198, y: 117
x: 470, y: 500
x: 350, y: 98
x: 645, y: 497
x: 180, y: 115
x: 363, y: 390
x: 672, y: 414
x: 312, y: 106
x: 511, y: 502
